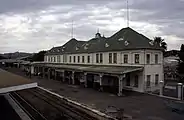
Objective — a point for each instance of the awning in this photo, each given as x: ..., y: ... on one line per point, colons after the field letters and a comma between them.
x: 97, y: 68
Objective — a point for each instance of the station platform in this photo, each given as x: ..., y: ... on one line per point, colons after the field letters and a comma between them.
x: 11, y: 82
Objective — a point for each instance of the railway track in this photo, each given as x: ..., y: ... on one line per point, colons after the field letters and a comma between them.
x: 61, y: 105
x: 28, y: 109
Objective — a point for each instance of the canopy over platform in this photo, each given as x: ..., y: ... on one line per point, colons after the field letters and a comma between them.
x: 95, y: 68
x: 11, y: 82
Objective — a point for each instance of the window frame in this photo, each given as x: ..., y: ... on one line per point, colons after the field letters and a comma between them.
x: 156, y: 60
x: 70, y: 59
x: 115, y: 56
x: 101, y: 58
x: 148, y: 83
x: 78, y: 59
x: 136, y: 58
x: 148, y: 61
x: 110, y: 58
x: 83, y: 59
x: 97, y: 57
x: 74, y: 59
x: 88, y: 60
x: 156, y: 80
x: 125, y: 59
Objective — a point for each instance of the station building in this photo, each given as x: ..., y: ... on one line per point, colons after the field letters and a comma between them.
x: 127, y: 60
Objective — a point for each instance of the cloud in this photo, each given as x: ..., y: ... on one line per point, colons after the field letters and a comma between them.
x: 31, y: 25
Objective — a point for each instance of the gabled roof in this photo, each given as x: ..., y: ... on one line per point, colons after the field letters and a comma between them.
x: 125, y: 39
x: 128, y: 38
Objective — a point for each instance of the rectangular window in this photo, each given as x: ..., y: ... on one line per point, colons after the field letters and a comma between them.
x: 148, y: 81
x: 114, y: 57
x: 156, y: 79
x: 110, y: 57
x: 136, y: 81
x: 74, y: 59
x: 83, y: 60
x: 58, y: 59
x: 97, y: 58
x: 125, y: 58
x: 78, y: 59
x: 49, y: 59
x: 88, y: 59
x: 101, y: 58
x: 156, y: 59
x: 54, y: 59
x: 70, y: 59
x: 137, y: 58
x: 148, y: 58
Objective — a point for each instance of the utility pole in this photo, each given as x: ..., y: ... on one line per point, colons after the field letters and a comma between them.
x: 72, y: 30
x: 127, y: 14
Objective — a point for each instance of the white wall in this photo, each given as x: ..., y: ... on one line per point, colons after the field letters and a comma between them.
x: 149, y: 69
x: 120, y: 57
x: 153, y: 69
x: 132, y: 78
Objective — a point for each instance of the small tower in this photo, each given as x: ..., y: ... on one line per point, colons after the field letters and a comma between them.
x: 98, y: 35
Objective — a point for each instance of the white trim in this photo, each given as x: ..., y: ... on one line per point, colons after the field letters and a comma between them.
x: 18, y: 87
x: 17, y: 108
x: 100, y: 115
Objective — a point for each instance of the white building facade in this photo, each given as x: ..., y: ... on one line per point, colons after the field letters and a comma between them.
x: 148, y: 57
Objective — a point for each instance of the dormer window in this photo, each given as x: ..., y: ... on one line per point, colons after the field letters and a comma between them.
x: 85, y: 47
x: 126, y: 43
x: 151, y: 42
x: 76, y: 48
x: 58, y: 50
x: 106, y: 45
x: 120, y: 39
x: 62, y: 49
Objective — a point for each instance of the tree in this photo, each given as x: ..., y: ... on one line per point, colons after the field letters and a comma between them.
x: 159, y: 41
x: 180, y: 67
x: 1, y: 57
x: 39, y: 56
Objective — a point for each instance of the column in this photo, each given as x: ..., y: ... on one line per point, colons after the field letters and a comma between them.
x: 180, y: 91
x: 73, y: 78
x: 48, y: 73
x: 120, y: 77
x: 43, y: 72
x: 85, y: 80
x: 55, y: 75
x: 32, y: 70
x: 63, y: 76
x: 161, y: 87
x: 101, y: 87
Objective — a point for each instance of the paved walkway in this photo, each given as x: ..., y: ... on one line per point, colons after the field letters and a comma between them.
x: 139, y: 106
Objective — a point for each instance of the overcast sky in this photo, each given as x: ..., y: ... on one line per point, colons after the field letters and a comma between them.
x: 33, y: 25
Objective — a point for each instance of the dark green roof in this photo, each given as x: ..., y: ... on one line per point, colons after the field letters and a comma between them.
x: 125, y: 39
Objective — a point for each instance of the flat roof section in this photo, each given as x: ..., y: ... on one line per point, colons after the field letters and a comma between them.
x: 11, y: 82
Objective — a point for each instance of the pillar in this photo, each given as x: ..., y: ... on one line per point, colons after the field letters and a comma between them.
x: 73, y: 78
x: 55, y: 75
x: 161, y: 87
x: 43, y: 72
x: 48, y: 72
x: 85, y: 80
x: 180, y: 91
x: 120, y: 77
x: 63, y: 76
x: 101, y: 87
x: 32, y: 69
